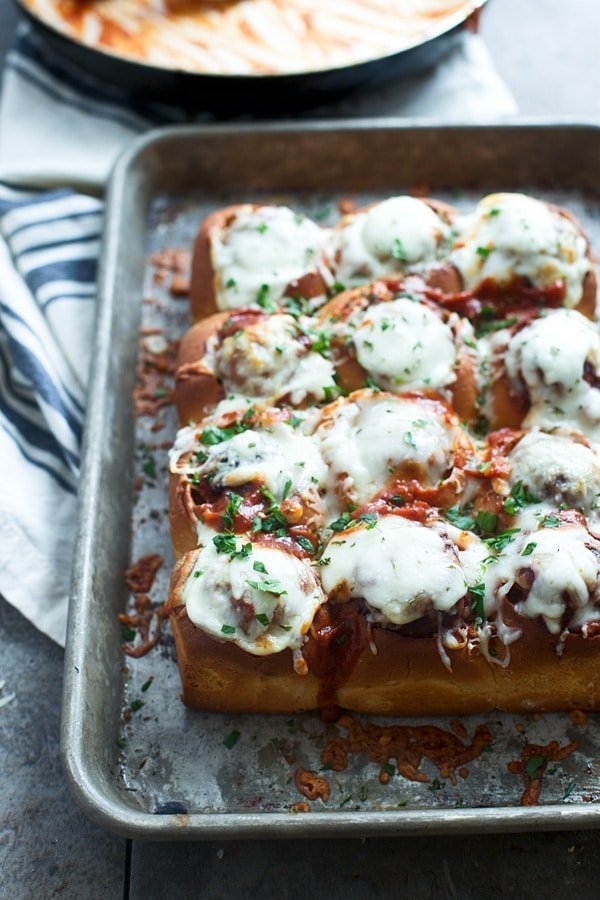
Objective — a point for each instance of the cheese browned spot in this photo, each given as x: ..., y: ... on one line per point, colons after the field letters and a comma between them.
x: 369, y: 438
x: 261, y: 253
x: 269, y: 359
x: 400, y: 568
x: 553, y: 569
x: 263, y: 601
x: 397, y: 235
x: 512, y: 235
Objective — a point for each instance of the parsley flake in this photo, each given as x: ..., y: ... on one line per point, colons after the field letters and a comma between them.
x: 232, y: 739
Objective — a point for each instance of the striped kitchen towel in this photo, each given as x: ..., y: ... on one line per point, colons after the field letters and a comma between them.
x: 60, y: 127
x: 49, y: 246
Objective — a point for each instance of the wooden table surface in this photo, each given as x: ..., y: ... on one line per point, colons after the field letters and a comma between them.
x: 547, y: 52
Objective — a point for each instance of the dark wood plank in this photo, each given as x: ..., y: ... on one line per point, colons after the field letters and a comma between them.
x: 522, y: 867
x: 47, y: 847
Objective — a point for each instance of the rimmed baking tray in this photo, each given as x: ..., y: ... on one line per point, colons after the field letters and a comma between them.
x: 137, y: 760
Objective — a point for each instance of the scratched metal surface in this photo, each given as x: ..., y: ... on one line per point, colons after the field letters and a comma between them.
x: 163, y: 754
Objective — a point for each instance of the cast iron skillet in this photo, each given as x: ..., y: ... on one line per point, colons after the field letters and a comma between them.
x: 259, y: 95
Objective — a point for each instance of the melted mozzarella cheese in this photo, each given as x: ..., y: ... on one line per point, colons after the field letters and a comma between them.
x: 284, y: 460
x: 405, y: 344
x: 369, y: 437
x: 227, y: 602
x: 401, y: 569
x: 565, y: 573
x: 512, y: 234
x: 556, y: 469
x: 549, y: 357
x: 270, y: 246
x: 401, y: 233
x: 266, y: 359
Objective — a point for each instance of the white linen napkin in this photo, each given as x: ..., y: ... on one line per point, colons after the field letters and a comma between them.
x: 60, y: 127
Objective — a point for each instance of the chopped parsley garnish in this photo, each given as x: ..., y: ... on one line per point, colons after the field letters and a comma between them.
x: 232, y: 739
x: 494, y: 212
x: 337, y: 287
x: 230, y: 283
x: 459, y: 519
x: 136, y: 704
x: 262, y: 227
x: 147, y: 684
x: 324, y: 561
x: 274, y: 522
x: 227, y: 629
x: 267, y: 494
x: 369, y: 383
x: 286, y: 488
x: 321, y: 342
x: 397, y: 500
x: 534, y: 765
x: 569, y: 790
x: 305, y: 543
x: 484, y: 328
x: 484, y: 252
x: 260, y: 567
x: 296, y: 306
x: 201, y: 457
x: 149, y: 468
x: 388, y: 768
x: 487, y: 521
x: 262, y: 298
x: 268, y: 586
x: 519, y: 497
x: 502, y: 540
x: 550, y: 521
x: 398, y: 251
x: 212, y: 434
x: 226, y: 543
x: 231, y: 510
x: 528, y: 549
x: 484, y: 523
x: 478, y: 594
x: 409, y: 439
x: 342, y: 523
x: 370, y: 520
x: 332, y: 392
x: 294, y: 421
x: 127, y: 634
x: 197, y: 573
x: 263, y: 619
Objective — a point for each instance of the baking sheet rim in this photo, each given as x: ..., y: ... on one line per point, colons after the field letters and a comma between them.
x: 95, y: 800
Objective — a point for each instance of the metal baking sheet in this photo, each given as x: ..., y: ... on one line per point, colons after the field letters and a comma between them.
x: 137, y: 760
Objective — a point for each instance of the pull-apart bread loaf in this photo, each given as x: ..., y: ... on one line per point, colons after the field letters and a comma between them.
x: 384, y: 492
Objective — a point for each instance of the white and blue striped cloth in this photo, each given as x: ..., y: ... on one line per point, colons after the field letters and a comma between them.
x: 60, y: 127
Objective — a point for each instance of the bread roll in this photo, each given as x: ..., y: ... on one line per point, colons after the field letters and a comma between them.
x: 254, y: 256
x: 389, y: 504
